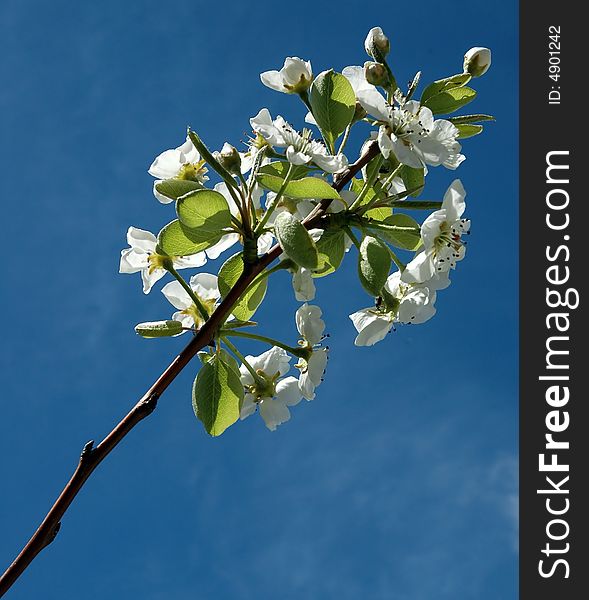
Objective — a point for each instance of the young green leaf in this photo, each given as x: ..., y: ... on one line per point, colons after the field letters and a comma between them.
x: 204, y: 211
x: 296, y: 241
x: 280, y: 168
x: 217, y: 392
x: 307, y: 187
x: 177, y: 240
x: 470, y: 119
x: 175, y: 188
x: 374, y: 264
x: 247, y: 305
x: 450, y: 100
x: 333, y: 103
x: 331, y: 248
x: 157, y: 329
x: 467, y: 130
x: 442, y: 85
x: 401, y: 231
x: 374, y: 213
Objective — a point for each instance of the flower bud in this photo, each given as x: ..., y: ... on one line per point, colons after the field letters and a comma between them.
x: 229, y: 158
x: 359, y: 112
x: 377, y: 44
x: 477, y: 61
x: 376, y: 74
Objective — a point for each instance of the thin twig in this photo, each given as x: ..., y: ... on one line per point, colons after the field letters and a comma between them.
x: 92, y: 456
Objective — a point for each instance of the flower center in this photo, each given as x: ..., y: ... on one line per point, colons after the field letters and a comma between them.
x: 157, y: 261
x: 192, y: 311
x: 448, y: 245
x: 193, y: 171
x: 408, y: 125
x: 299, y: 141
x: 264, y: 387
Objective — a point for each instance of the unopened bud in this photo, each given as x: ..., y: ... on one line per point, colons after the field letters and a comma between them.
x: 359, y: 112
x: 376, y: 74
x: 477, y: 61
x: 377, y: 44
x: 229, y: 158
x: 157, y: 329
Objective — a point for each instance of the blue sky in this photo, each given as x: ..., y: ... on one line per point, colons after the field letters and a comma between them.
x: 400, y: 480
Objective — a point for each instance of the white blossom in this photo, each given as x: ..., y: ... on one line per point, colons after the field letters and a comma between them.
x: 311, y: 327
x: 295, y: 76
x: 275, y: 393
x: 409, y: 131
x: 441, y: 234
x: 183, y: 162
x: 206, y: 288
x: 413, y: 304
x: 142, y: 258
x: 417, y: 139
x: 300, y: 148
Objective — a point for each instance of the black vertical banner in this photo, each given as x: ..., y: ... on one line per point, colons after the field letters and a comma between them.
x: 554, y: 352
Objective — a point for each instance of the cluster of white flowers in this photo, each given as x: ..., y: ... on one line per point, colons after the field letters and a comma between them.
x: 260, y: 192
x: 273, y: 393
x: 413, y: 291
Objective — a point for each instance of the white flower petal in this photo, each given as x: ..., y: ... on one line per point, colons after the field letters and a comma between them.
x: 420, y: 269
x: 248, y: 406
x: 205, y: 286
x: 369, y: 97
x: 176, y: 295
x: 303, y: 285
x: 190, y: 262
x: 274, y: 413
x: 141, y: 239
x: 287, y: 391
x: 228, y: 240
x: 371, y: 327
x: 309, y: 323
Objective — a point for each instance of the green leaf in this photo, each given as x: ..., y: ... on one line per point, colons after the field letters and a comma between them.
x: 177, y: 240
x: 470, y: 119
x: 175, y: 188
x: 333, y: 103
x: 217, y: 392
x: 247, y: 305
x: 280, y: 168
x: 331, y: 248
x: 305, y: 188
x: 157, y: 329
x: 204, y: 211
x: 374, y: 264
x: 296, y: 241
x: 413, y: 179
x: 467, y: 130
x: 450, y: 100
x: 409, y: 237
x: 442, y: 85
x: 374, y: 213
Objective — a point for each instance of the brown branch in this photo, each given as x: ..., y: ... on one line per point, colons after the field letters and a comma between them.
x: 92, y: 456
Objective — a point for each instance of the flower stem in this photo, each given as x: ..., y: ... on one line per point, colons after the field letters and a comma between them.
x: 415, y: 204
x: 300, y: 352
x: 367, y: 184
x: 201, y: 309
x: 243, y: 360
x: 270, y: 209
x: 351, y: 235
x: 344, y: 139
x: 400, y: 264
